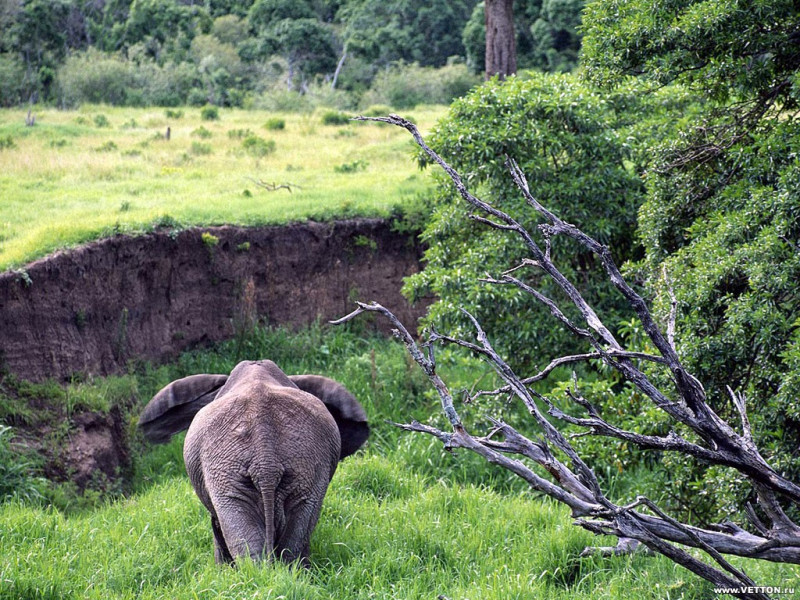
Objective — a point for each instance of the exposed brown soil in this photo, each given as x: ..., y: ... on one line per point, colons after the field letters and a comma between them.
x: 97, y: 451
x: 150, y: 297
x: 91, y: 310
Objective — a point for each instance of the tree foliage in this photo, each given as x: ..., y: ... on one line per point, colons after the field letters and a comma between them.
x: 313, y: 39
x: 694, y: 124
x: 722, y: 215
x: 575, y: 143
x: 726, y: 48
x: 427, y: 33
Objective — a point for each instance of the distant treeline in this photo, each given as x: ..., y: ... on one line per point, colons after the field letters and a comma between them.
x: 236, y: 52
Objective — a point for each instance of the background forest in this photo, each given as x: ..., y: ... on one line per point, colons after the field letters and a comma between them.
x: 243, y: 53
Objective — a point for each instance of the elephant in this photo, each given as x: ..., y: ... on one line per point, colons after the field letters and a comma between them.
x: 260, y: 451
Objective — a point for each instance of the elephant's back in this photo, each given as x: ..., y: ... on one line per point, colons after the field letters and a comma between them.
x: 303, y: 430
x: 258, y: 423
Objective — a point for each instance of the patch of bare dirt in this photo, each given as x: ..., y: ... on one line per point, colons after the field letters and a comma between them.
x: 150, y: 297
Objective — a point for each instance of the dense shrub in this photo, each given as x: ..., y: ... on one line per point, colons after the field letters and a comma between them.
x: 733, y: 261
x: 351, y: 167
x: 257, y: 146
x: 575, y: 146
x: 275, y: 124
x: 202, y: 133
x: 722, y: 211
x: 209, y: 113
x: 333, y: 117
x: 96, y: 77
x: 406, y: 85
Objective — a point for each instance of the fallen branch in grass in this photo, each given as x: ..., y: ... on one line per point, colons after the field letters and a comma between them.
x: 273, y: 186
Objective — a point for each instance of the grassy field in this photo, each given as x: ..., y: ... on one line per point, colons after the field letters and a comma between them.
x: 79, y: 175
x: 402, y: 519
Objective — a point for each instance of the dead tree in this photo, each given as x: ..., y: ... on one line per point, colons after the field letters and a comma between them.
x: 570, y: 480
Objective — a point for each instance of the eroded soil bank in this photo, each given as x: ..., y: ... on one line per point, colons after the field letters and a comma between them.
x: 150, y: 297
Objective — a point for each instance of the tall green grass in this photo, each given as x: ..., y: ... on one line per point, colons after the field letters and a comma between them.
x: 402, y: 518
x: 79, y: 175
x: 384, y: 533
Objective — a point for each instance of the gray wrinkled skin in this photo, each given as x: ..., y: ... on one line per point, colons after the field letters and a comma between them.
x: 260, y: 455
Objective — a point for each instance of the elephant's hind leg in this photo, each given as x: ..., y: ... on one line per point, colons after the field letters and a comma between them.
x: 221, y: 553
x: 241, y: 523
x: 301, y: 518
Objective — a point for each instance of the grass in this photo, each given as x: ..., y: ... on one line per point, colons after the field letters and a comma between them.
x: 402, y: 518
x: 80, y: 175
x: 383, y: 533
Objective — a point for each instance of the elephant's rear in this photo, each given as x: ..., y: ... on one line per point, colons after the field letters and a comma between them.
x: 260, y: 458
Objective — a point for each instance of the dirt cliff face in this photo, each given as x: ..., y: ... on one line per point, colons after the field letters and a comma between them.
x: 92, y: 309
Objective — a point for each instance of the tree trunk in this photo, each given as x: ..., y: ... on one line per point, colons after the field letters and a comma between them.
x: 501, y: 50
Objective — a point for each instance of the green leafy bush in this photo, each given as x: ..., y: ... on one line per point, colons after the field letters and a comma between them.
x: 334, y: 117
x: 407, y: 85
x: 108, y: 146
x: 575, y: 146
x: 275, y: 124
x: 351, y: 167
x: 721, y: 221
x: 209, y: 113
x: 209, y: 239
x: 97, y: 77
x: 202, y: 133
x: 258, y: 147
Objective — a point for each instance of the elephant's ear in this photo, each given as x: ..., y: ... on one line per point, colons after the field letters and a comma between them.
x: 346, y: 410
x: 172, y: 409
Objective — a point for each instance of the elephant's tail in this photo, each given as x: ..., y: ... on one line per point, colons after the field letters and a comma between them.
x: 172, y: 409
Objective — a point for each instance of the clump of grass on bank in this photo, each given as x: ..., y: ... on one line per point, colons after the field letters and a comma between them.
x: 402, y: 518
x: 63, y: 180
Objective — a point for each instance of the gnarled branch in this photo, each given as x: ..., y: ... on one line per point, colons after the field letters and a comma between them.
x: 573, y: 482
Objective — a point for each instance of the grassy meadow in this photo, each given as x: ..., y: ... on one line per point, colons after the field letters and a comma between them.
x: 402, y: 519
x: 79, y: 175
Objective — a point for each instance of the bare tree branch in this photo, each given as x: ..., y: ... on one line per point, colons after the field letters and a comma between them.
x: 272, y: 186
x: 673, y: 309
x: 573, y: 481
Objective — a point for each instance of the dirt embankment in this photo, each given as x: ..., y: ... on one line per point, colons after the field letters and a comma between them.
x: 92, y: 309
